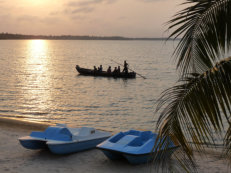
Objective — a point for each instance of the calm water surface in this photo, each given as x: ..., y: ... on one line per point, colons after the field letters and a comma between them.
x: 38, y: 82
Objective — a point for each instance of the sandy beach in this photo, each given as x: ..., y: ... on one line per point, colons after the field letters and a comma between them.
x: 14, y: 158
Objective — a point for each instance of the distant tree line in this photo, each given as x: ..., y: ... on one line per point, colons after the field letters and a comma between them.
x: 9, y: 36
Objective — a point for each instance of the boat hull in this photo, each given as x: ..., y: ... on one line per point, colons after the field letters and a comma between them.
x: 137, y: 158
x: 148, y: 157
x: 89, y: 72
x: 72, y: 147
x: 136, y: 146
x: 33, y: 144
x: 62, y: 140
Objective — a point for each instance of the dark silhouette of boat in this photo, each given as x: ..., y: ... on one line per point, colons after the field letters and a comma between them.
x: 90, y: 72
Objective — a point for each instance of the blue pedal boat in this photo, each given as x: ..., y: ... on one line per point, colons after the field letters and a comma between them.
x: 135, y: 146
x: 62, y: 140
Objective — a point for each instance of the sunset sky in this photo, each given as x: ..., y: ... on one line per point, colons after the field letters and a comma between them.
x: 129, y: 18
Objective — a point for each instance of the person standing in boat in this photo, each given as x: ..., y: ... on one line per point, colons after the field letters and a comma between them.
x: 109, y: 69
x: 125, y: 70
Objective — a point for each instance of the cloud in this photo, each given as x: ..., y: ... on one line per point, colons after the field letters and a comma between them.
x: 5, y: 17
x: 84, y: 6
x: 149, y: 1
x: 78, y: 10
x: 89, y: 3
x: 35, y: 19
x: 28, y: 18
x: 50, y: 20
x: 54, y: 13
x: 75, y: 17
x: 83, y: 10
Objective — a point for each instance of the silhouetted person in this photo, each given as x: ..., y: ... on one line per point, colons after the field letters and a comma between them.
x: 109, y: 69
x: 115, y: 70
x: 95, y: 69
x: 125, y: 70
x: 100, y: 69
x: 118, y: 70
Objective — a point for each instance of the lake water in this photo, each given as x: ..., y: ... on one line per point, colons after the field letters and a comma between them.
x: 39, y: 82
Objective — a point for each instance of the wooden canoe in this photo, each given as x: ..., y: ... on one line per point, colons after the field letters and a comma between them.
x: 90, y: 72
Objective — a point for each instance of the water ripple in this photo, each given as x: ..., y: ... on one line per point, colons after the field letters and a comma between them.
x: 39, y: 82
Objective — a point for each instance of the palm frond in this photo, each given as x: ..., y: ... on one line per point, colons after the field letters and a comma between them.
x: 206, y: 29
x: 196, y: 108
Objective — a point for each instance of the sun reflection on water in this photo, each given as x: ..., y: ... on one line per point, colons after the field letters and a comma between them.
x: 37, y: 51
x: 36, y: 80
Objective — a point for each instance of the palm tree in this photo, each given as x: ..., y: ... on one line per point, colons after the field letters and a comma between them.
x: 197, y: 108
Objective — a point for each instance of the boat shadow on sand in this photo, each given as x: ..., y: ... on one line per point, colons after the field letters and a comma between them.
x: 91, y: 160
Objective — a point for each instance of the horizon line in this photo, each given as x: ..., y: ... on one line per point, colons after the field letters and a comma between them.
x: 8, y: 36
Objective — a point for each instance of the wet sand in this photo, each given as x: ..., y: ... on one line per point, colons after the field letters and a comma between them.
x: 16, y: 159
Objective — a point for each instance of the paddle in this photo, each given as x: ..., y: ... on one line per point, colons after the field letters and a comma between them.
x: 129, y: 69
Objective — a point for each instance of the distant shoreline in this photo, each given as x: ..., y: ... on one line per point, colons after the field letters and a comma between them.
x: 8, y: 36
